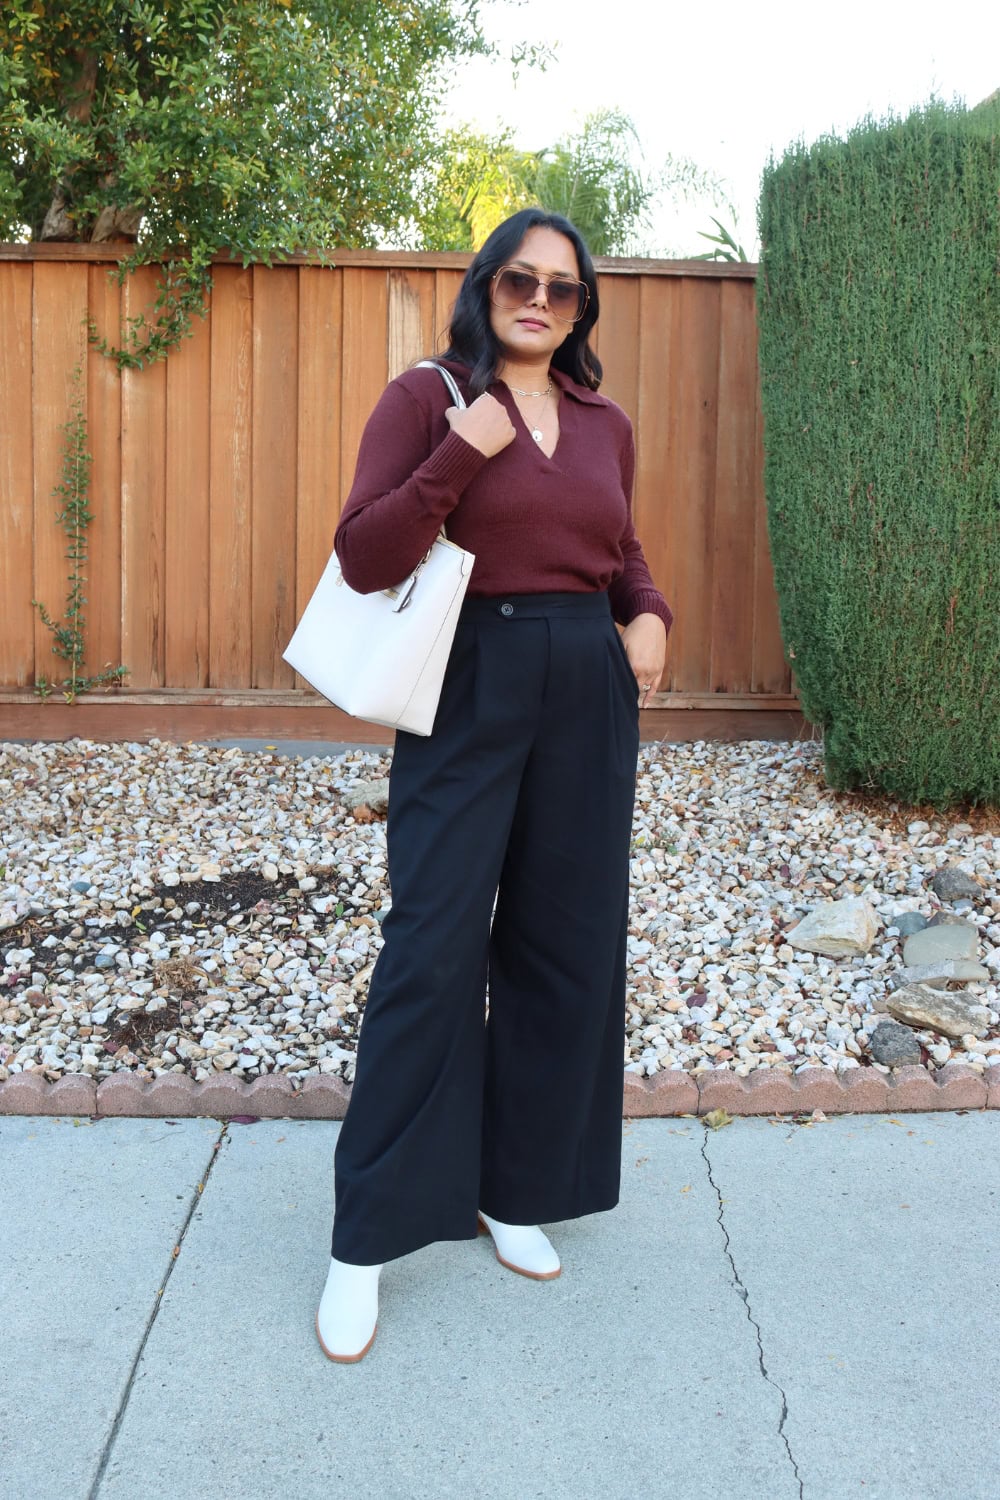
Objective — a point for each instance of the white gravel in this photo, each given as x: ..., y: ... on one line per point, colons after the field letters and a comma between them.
x: 198, y: 909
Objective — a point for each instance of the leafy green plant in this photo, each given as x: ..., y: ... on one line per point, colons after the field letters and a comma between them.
x: 725, y: 244
x: 74, y: 517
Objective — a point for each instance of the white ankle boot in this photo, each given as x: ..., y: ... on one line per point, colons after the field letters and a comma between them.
x: 522, y: 1248
x: 348, y: 1311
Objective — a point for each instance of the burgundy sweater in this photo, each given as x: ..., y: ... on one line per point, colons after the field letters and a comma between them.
x: 535, y: 524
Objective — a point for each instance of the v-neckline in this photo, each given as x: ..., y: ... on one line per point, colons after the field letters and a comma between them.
x: 549, y: 457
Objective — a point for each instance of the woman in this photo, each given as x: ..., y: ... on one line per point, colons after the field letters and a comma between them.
x: 522, y: 795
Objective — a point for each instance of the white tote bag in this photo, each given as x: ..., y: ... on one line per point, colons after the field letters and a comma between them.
x: 382, y: 656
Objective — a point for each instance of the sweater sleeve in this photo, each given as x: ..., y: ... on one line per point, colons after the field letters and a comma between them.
x: 634, y: 592
x: 404, y: 489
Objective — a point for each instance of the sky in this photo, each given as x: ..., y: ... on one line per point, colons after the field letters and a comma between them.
x: 728, y: 83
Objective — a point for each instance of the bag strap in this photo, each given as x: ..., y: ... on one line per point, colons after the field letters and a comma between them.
x: 456, y: 395
x: 457, y: 400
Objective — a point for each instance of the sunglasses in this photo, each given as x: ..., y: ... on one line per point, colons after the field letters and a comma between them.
x: 512, y: 287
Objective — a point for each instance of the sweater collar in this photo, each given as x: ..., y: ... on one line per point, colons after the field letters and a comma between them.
x: 564, y: 382
x: 579, y: 392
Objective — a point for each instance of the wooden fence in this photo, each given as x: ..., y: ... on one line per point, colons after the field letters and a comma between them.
x: 218, y: 477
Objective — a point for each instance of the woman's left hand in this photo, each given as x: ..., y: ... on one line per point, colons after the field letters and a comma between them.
x: 645, y: 642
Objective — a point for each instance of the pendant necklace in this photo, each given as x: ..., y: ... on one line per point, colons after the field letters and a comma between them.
x: 536, y: 432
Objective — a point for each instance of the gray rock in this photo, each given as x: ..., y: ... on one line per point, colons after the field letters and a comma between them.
x: 893, y: 1045
x: 946, y: 972
x: 80, y: 885
x: 373, y: 794
x: 839, y: 929
x: 105, y: 961
x: 955, y: 1015
x: 946, y: 940
x: 952, y: 882
x: 909, y: 922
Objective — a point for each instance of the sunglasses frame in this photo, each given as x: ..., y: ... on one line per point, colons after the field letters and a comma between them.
x: 544, y: 281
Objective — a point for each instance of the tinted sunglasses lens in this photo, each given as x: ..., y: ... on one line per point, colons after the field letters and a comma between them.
x: 566, y: 299
x: 512, y: 288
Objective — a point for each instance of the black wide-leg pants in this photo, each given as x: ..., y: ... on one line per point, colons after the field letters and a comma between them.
x: 522, y: 796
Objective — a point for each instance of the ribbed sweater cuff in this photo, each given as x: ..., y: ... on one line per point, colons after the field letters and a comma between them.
x: 453, y: 463
x: 649, y: 602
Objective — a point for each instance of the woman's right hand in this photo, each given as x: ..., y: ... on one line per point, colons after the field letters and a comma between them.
x: 485, y: 424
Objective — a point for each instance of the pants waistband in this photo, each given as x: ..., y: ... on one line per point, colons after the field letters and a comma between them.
x: 536, y: 606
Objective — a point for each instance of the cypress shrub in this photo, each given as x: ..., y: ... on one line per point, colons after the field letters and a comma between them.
x: 879, y: 325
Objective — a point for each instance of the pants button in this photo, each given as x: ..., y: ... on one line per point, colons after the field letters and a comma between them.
x: 506, y: 609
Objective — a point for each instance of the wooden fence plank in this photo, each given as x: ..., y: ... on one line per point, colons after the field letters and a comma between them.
x: 318, y: 498
x: 17, y: 638
x: 771, y: 672
x: 411, y: 318
x: 457, y: 260
x: 188, y: 473
x: 620, y: 341
x: 693, y: 396
x: 104, y: 431
x: 365, y: 361
x: 733, y: 582
x: 184, y: 716
x: 658, y: 439
x: 144, y: 410
x: 60, y: 342
x: 275, y: 433
x: 446, y: 285
x: 229, y: 476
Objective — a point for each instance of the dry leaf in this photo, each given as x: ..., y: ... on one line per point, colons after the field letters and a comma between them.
x: 716, y: 1118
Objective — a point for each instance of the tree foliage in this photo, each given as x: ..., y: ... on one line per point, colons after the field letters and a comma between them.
x: 597, y: 177
x: 194, y: 126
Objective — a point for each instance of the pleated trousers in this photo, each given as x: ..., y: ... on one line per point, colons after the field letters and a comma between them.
x: 508, y: 844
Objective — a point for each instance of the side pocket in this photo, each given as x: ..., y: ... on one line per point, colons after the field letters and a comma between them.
x: 623, y: 654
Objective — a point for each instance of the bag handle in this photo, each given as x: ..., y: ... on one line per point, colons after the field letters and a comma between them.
x: 457, y: 398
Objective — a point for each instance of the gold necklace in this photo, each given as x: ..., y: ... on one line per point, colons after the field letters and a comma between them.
x: 536, y: 432
x: 518, y: 392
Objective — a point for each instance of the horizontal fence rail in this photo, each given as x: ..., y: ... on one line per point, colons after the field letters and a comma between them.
x: 218, y: 475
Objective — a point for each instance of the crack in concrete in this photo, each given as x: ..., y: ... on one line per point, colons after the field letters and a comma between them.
x: 738, y: 1283
x: 196, y: 1197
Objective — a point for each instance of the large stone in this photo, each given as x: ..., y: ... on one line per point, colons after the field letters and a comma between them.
x: 894, y: 1045
x: 955, y: 1015
x: 934, y: 945
x: 953, y: 883
x: 839, y: 929
x: 946, y: 972
x: 371, y: 794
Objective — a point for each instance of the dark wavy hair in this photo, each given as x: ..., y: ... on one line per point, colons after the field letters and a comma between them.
x: 472, y: 341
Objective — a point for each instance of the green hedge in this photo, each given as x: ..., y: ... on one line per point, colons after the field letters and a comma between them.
x: 879, y: 317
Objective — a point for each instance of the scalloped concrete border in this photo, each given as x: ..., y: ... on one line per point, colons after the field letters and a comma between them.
x: 858, y: 1091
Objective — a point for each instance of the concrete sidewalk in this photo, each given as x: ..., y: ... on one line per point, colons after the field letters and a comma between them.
x: 775, y: 1311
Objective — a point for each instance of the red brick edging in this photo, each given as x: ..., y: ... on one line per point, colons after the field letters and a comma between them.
x: 858, y: 1091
